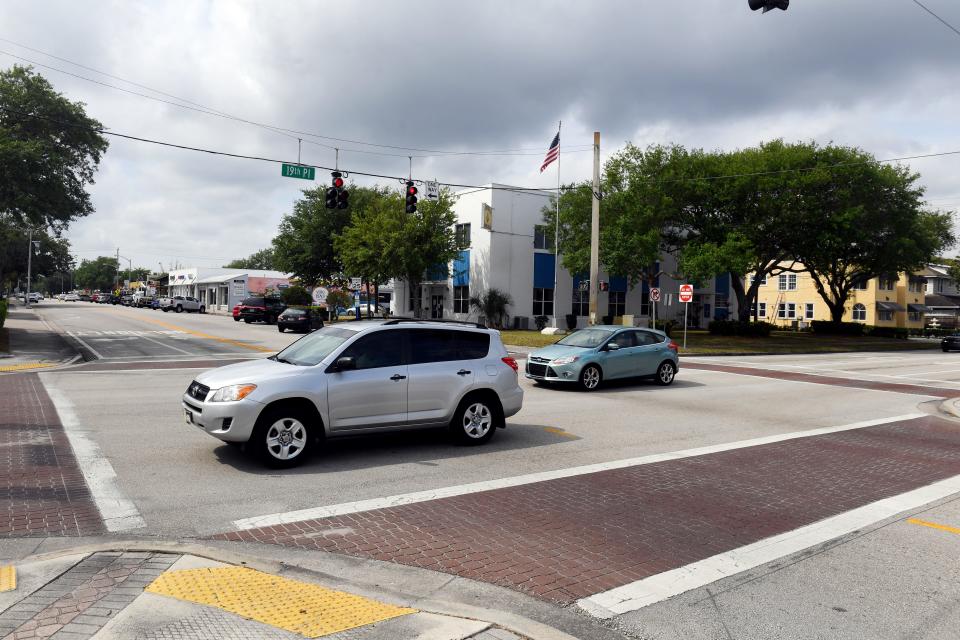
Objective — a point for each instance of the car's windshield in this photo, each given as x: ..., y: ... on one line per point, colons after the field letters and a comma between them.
x: 587, y: 338
x: 314, y: 347
x: 294, y: 312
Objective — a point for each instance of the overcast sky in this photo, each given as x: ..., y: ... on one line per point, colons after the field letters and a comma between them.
x: 453, y: 75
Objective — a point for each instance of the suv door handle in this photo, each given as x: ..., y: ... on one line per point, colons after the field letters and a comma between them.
x: 397, y: 376
x: 463, y: 372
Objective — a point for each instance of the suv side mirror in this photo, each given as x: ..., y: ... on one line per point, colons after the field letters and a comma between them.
x: 612, y: 346
x: 345, y: 363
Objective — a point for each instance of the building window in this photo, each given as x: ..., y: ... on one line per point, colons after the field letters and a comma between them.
x: 884, y: 316
x: 860, y: 284
x: 462, y: 234
x: 543, y: 237
x: 753, y: 278
x: 706, y: 310
x: 859, y: 313
x: 887, y: 283
x: 461, y: 299
x: 808, y: 311
x: 914, y: 316
x: 581, y: 303
x: 618, y: 303
x: 763, y: 310
x: 788, y: 282
x: 917, y: 285
x: 542, y: 302
x: 787, y: 310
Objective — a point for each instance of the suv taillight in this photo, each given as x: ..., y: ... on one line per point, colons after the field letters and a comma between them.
x: 511, y: 362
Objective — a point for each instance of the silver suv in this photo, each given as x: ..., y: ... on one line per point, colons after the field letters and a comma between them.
x: 360, y: 377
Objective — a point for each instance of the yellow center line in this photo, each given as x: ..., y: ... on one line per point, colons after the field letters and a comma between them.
x: 934, y: 525
x: 207, y: 336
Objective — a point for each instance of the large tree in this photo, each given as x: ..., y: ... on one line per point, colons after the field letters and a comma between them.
x: 863, y: 219
x: 51, y: 255
x: 49, y: 152
x: 99, y: 274
x: 262, y: 259
x: 365, y: 247
x: 303, y: 245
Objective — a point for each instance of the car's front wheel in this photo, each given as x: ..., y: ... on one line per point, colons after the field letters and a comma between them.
x: 590, y: 377
x: 475, y: 420
x: 282, y: 437
x: 666, y: 372
x: 236, y: 319
x: 179, y: 308
x: 203, y: 309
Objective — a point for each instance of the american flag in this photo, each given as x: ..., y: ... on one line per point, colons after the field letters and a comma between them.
x: 552, y: 153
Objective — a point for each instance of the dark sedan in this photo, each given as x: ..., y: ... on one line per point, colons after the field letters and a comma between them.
x: 951, y: 343
x: 305, y: 320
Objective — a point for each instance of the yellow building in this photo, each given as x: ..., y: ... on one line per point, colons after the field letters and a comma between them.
x: 790, y: 299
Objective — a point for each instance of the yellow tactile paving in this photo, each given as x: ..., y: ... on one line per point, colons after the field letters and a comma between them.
x: 8, y: 578
x: 26, y: 365
x: 308, y: 609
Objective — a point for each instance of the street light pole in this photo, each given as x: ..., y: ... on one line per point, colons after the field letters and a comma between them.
x: 595, y: 231
x: 26, y: 300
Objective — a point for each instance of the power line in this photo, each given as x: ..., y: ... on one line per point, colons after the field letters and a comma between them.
x: 290, y: 133
x: 945, y: 23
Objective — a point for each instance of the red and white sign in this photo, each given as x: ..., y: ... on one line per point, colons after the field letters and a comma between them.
x: 655, y: 294
x: 686, y: 293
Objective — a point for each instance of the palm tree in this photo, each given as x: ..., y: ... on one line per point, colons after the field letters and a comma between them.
x: 492, y: 305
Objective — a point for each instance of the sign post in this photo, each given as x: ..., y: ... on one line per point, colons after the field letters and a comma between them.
x: 686, y: 296
x: 654, y: 299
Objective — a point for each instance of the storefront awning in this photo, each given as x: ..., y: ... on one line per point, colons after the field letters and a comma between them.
x: 221, y: 279
x: 918, y: 308
x: 889, y: 306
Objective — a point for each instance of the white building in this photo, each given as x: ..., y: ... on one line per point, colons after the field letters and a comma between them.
x: 511, y: 250
x: 219, y: 289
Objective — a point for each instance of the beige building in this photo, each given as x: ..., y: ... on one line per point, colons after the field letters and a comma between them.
x: 791, y: 299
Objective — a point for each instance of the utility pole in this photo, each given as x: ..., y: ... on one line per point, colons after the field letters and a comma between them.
x: 26, y: 300
x: 116, y: 275
x: 595, y: 231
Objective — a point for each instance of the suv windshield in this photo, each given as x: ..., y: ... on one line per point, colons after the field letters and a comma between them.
x: 587, y: 338
x: 314, y: 347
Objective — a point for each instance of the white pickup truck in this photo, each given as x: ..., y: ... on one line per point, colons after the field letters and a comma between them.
x: 182, y: 303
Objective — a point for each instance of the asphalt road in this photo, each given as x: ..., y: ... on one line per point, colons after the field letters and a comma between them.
x: 185, y: 484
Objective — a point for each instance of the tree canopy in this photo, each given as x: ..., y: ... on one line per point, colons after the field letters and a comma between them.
x: 263, y: 259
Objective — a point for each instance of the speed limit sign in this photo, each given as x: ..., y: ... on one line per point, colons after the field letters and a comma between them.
x: 655, y: 294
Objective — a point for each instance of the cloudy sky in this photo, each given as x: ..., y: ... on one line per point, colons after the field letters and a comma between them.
x: 448, y: 75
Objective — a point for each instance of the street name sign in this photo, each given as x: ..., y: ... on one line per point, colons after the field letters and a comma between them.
x: 298, y: 171
x: 686, y: 293
x: 655, y: 294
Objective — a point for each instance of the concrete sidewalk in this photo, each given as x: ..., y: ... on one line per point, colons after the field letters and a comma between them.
x: 121, y: 594
x: 34, y: 344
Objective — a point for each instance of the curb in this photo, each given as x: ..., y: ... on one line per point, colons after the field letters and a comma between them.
x: 518, y: 624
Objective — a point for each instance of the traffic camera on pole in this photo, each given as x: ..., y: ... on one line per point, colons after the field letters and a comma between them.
x: 411, y: 197
x: 769, y: 5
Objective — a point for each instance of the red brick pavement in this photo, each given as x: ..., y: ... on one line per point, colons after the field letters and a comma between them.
x: 42, y: 491
x: 836, y: 381
x: 573, y: 537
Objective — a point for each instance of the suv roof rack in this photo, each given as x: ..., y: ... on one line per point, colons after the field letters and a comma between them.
x: 467, y: 323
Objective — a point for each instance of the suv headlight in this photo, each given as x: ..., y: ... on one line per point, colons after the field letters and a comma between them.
x: 566, y: 360
x: 232, y: 393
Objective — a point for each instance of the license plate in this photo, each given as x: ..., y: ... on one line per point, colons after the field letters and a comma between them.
x: 187, y: 417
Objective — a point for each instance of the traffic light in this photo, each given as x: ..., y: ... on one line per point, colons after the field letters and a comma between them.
x: 336, y: 195
x: 604, y: 285
x: 768, y: 5
x: 411, y: 197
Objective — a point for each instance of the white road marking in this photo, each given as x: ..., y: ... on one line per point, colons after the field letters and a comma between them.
x: 118, y: 512
x: 95, y: 353
x: 488, y: 485
x: 168, y: 346
x: 661, y: 586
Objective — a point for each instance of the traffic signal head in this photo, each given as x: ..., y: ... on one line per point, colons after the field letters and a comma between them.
x: 604, y: 286
x: 411, y: 197
x: 342, y: 196
x: 331, y: 201
x: 767, y: 5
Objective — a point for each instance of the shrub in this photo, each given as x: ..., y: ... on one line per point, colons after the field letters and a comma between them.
x: 901, y: 333
x: 295, y: 295
x: 492, y: 305
x: 830, y: 328
x: 337, y: 298
x: 541, y: 322
x: 571, y: 321
x: 739, y: 328
x: 669, y: 326
x: 3, y: 311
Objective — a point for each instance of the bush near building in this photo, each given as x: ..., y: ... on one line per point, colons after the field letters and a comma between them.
x: 295, y: 295
x: 740, y: 328
x: 901, y: 333
x: 830, y: 328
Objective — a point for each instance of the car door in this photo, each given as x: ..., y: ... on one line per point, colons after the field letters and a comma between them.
x: 375, y: 393
x: 444, y: 364
x: 617, y: 363
x: 649, y: 353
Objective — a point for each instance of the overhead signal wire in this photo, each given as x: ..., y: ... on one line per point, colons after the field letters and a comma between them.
x: 930, y: 11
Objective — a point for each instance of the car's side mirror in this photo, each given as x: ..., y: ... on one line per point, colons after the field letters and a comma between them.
x: 345, y: 363
x: 613, y: 346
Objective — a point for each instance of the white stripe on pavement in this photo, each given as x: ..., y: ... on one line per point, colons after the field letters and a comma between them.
x: 488, y: 485
x: 661, y: 586
x: 117, y: 511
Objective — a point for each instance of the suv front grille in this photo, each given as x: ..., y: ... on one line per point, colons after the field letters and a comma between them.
x: 198, y: 391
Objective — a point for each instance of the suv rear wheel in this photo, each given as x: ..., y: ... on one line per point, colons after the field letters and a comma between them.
x: 282, y: 437
x: 475, y: 420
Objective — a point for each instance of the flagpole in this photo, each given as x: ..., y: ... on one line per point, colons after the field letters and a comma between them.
x: 556, y: 236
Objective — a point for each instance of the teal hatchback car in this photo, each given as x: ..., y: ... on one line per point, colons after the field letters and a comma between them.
x: 589, y: 356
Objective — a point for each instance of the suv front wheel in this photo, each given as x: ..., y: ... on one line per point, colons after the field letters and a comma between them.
x: 282, y: 438
x: 475, y: 420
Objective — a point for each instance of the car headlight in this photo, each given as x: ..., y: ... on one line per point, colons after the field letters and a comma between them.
x: 233, y: 393
x: 566, y: 360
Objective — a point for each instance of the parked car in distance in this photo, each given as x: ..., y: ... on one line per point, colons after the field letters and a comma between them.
x: 589, y: 356
x: 126, y: 300
x: 35, y: 297
x: 261, y: 309
x: 70, y: 297
x: 236, y: 313
x: 360, y: 377
x: 950, y: 343
x: 304, y: 320
x: 141, y: 300
x: 83, y: 297
x: 182, y: 303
